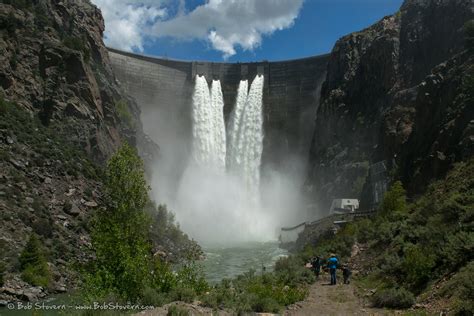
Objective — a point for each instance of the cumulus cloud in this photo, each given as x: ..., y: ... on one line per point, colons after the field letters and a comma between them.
x: 227, y: 24
x: 224, y: 24
x: 126, y: 20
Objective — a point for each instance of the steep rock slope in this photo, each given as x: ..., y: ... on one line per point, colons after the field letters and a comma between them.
x: 394, y: 92
x: 62, y: 115
x: 54, y: 63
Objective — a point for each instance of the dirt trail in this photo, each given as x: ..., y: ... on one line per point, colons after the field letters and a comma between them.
x: 325, y: 299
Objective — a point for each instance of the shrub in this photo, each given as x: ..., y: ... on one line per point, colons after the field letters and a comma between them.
x: 183, y: 293
x: 153, y: 297
x: 123, y: 112
x: 77, y: 44
x: 417, y: 266
x: 33, y: 263
x: 394, y: 298
x: 177, y: 311
x: 461, y: 289
x: 3, y: 269
x: 469, y: 34
x: 394, y: 201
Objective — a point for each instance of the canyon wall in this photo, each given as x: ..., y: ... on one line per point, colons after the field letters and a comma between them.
x: 395, y: 102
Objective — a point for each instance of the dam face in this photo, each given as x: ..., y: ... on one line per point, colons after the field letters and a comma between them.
x: 163, y: 89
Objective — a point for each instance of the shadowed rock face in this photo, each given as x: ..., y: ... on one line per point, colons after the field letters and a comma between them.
x: 54, y: 63
x: 163, y: 90
x: 394, y: 92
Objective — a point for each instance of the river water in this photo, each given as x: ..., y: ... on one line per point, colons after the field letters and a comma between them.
x: 224, y: 262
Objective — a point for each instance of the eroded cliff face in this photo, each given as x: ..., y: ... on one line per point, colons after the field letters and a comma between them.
x: 54, y: 63
x: 395, y: 92
x: 62, y: 115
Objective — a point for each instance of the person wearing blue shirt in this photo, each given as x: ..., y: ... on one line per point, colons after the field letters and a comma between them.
x: 332, y: 265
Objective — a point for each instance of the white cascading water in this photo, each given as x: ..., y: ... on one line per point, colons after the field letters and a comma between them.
x: 217, y: 206
x: 217, y: 104
x: 234, y: 125
x: 247, y: 141
x: 208, y: 144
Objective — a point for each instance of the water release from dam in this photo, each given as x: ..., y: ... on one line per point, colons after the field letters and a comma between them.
x: 220, y: 189
x: 234, y: 140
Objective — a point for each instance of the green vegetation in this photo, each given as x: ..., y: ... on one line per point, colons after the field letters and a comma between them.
x: 78, y: 44
x: 394, y: 298
x: 120, y: 236
x: 124, y: 114
x: 268, y: 292
x: 33, y: 263
x: 461, y: 289
x: 412, y: 245
x: 19, y: 4
x: 469, y: 33
x: 3, y: 269
x: 124, y: 266
x: 45, y: 141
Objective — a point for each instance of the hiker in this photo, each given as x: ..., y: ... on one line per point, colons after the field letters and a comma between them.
x: 316, y: 263
x: 346, y: 273
x: 332, y: 265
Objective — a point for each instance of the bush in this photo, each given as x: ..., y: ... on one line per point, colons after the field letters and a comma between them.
x: 153, y: 297
x: 461, y: 290
x: 77, y: 44
x: 394, y: 201
x: 183, y: 294
x: 33, y: 263
x: 3, y: 269
x: 394, y: 298
x: 177, y: 311
x: 124, y: 114
x: 469, y: 31
x: 417, y: 266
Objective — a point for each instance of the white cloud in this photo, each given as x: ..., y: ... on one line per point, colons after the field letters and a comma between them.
x: 126, y: 20
x: 230, y: 23
x: 225, y: 24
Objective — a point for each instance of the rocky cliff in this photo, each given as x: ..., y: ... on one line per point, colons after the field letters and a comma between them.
x: 62, y: 115
x: 397, y: 93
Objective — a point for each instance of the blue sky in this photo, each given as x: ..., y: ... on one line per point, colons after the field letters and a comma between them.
x: 236, y: 30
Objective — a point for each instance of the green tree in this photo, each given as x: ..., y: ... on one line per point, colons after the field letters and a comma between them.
x: 469, y: 34
x: 33, y: 263
x: 417, y: 266
x: 120, y: 232
x: 394, y: 201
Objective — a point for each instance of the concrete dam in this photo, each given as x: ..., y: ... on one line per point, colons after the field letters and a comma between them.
x: 163, y: 89
x: 234, y: 139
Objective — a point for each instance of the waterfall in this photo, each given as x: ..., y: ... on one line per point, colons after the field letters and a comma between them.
x: 246, y: 130
x: 208, y: 144
x: 233, y: 126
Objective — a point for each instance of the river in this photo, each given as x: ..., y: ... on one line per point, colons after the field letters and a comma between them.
x: 225, y: 262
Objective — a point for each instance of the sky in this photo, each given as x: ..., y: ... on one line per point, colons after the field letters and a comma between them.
x: 236, y: 30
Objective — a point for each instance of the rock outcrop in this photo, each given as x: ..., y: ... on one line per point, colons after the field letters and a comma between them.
x: 395, y: 92
x: 62, y: 114
x: 53, y: 62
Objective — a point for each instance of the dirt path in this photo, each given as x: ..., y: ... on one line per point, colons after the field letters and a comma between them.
x: 325, y: 299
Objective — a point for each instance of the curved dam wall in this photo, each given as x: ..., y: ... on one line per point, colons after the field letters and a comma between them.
x: 163, y: 89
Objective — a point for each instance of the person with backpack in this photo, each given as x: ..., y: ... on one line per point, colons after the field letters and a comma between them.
x: 332, y: 264
x: 316, y: 266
